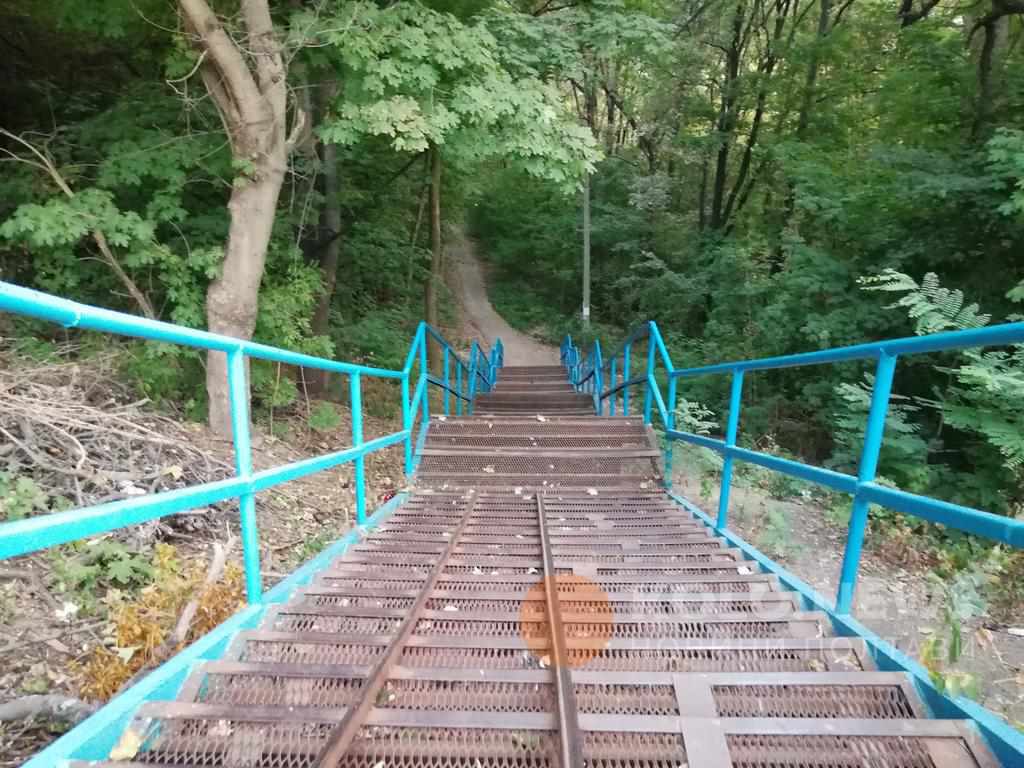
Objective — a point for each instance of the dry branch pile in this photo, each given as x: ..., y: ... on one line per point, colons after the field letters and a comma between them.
x: 79, y: 432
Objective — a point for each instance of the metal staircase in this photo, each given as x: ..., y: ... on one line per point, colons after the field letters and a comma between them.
x: 540, y: 598
x: 540, y: 601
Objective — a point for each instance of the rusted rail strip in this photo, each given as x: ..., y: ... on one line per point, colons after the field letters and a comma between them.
x: 571, y: 742
x: 342, y: 736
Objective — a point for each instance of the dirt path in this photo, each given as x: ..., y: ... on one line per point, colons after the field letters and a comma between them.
x: 478, y: 316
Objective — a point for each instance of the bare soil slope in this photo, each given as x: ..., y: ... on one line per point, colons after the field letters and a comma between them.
x: 479, y: 319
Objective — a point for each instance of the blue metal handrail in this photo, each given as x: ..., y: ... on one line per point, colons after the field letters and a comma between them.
x: 42, y: 532
x: 586, y: 371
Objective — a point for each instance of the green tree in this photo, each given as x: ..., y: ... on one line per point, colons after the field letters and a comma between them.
x: 434, y: 84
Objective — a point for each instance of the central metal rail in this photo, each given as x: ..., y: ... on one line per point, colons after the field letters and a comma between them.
x: 339, y: 742
x: 565, y: 695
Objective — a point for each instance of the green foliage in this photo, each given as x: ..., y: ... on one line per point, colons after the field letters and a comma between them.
x: 380, y: 338
x: 782, y: 486
x: 983, y: 396
x: 931, y: 307
x: 1006, y: 162
x: 691, y: 416
x: 314, y: 545
x: 324, y: 418
x: 904, y: 455
x: 84, y: 569
x: 20, y: 497
x: 962, y: 597
x: 776, y: 538
x: 423, y: 78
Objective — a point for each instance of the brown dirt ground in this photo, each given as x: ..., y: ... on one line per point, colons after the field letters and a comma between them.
x: 37, y: 647
x: 468, y: 278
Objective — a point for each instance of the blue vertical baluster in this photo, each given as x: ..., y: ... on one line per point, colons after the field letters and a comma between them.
x: 873, y: 433
x: 447, y: 386
x: 472, y: 378
x: 625, y: 377
x: 424, y: 370
x: 731, y: 432
x: 407, y: 423
x: 458, y: 387
x: 355, y: 397
x: 669, y: 447
x: 611, y: 385
x: 238, y: 393
x: 651, y: 383
x: 598, y: 376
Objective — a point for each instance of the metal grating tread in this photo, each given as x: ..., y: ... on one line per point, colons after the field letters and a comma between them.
x: 538, y: 602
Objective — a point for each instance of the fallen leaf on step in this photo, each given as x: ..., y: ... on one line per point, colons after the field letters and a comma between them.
x: 127, y: 746
x: 541, y: 418
x: 592, y: 491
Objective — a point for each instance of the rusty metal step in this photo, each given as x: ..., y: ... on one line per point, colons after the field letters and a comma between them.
x: 617, y: 452
x: 443, y: 480
x: 609, y: 441
x: 510, y: 371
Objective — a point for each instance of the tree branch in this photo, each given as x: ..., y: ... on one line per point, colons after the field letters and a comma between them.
x: 97, y: 234
x: 908, y: 15
x: 238, y: 89
x: 52, y: 706
x: 1000, y: 8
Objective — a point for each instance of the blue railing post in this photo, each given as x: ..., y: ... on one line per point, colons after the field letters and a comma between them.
x: 238, y: 393
x: 868, y: 465
x: 611, y: 385
x: 355, y: 397
x: 407, y: 423
x: 649, y: 392
x: 731, y: 432
x: 669, y: 448
x: 625, y: 377
x: 597, y: 379
x: 472, y: 378
x: 447, y: 407
x: 458, y: 387
x: 424, y: 372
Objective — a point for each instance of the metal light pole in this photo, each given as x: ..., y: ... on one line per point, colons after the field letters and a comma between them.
x: 586, y: 251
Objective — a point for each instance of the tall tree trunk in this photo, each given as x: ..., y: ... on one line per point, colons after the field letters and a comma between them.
x: 250, y: 92
x: 726, y: 122
x: 813, y: 66
x: 989, y: 52
x: 804, y: 121
x: 330, y: 220
x: 436, y: 254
